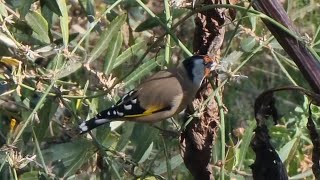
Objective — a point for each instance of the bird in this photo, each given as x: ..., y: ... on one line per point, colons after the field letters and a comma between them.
x: 163, y: 95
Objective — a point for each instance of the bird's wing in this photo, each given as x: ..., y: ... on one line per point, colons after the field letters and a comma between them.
x: 161, y: 92
x: 151, y: 97
x: 159, y: 97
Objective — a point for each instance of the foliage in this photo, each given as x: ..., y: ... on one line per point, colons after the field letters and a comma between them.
x: 64, y: 61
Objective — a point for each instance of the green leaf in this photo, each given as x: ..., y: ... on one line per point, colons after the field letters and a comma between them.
x: 127, y: 129
x: 237, y: 176
x: 253, y: 21
x: 3, y: 10
x: 25, y: 6
x: 112, y: 53
x: 71, y: 37
x: 71, y: 67
x: 110, y: 141
x: 247, y: 44
x: 230, y: 60
x: 52, y: 5
x: 45, y: 114
x: 67, y: 152
x: 275, y: 44
x: 287, y: 149
x: 146, y: 153
x: 64, y: 22
x: 31, y: 175
x: 149, y: 23
x: 39, y: 26
x: 77, y: 161
x: 48, y: 14
x: 175, y: 161
x: 316, y: 36
x: 106, y: 36
x: 129, y: 53
x: 153, y: 22
x: 144, y: 137
x: 143, y: 70
x: 303, y: 175
x: 87, y: 5
x: 230, y: 156
x: 245, y: 143
x: 89, y: 8
x: 293, y: 151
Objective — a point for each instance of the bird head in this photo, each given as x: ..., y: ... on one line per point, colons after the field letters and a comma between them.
x: 198, y: 67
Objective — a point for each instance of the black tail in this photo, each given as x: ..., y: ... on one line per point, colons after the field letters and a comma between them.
x: 103, y: 117
x: 86, y: 126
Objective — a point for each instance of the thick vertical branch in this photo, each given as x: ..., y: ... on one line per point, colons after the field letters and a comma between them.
x: 197, y: 139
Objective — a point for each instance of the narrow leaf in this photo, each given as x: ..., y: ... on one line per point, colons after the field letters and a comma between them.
x: 25, y: 7
x: 64, y: 22
x: 112, y: 53
x: 247, y: 44
x: 143, y: 70
x: 152, y: 22
x: 245, y: 143
x: 230, y: 156
x: 52, y: 5
x: 45, y: 114
x: 3, y: 10
x: 144, y: 140
x: 106, y: 37
x: 127, y: 54
x: 253, y: 21
x: 71, y: 37
x: 287, y: 149
x: 87, y: 5
x: 89, y: 8
x: 39, y: 26
x: 175, y: 161
x: 48, y: 14
x: 72, y: 67
x: 146, y: 154
x: 77, y: 162
x: 303, y: 175
x: 30, y: 175
x: 125, y: 136
x: 66, y: 152
x: 149, y: 23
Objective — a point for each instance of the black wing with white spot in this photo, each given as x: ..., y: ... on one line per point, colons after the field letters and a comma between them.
x: 127, y: 106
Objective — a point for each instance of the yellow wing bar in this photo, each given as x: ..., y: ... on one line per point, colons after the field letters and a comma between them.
x: 148, y: 111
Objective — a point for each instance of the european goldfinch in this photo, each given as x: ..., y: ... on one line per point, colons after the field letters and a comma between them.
x: 161, y: 96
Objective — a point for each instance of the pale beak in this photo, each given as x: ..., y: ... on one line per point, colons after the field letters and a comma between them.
x: 213, y: 66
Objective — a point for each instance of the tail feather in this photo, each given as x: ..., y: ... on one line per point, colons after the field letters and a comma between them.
x: 103, y: 117
x: 86, y: 126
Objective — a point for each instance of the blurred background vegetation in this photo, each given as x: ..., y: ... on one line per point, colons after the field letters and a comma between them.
x: 64, y: 61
